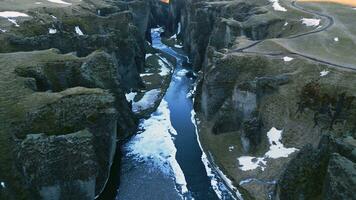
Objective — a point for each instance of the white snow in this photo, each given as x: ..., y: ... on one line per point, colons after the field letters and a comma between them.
x: 336, y: 39
x: 60, y: 2
x: 147, y: 101
x: 178, y: 46
x: 14, y: 22
x: 285, y: 24
x: 146, y: 74
x: 2, y: 184
x: 155, y: 146
x: 52, y: 31
x: 130, y: 96
x: 38, y: 2
x: 277, y: 6
x: 229, y: 182
x: 181, y: 73
x: 78, y: 31
x: 217, y: 186
x: 310, y: 21
x: 287, y: 59
x: 3, y: 30
x: 324, y: 73
x: 276, y: 150
x: 166, y: 61
x: 250, y: 163
x: 54, y: 17
x: 165, y: 70
x: 10, y: 15
x: 179, y: 28
x: 231, y: 148
x: 174, y: 36
x: 246, y: 181
x: 148, y: 55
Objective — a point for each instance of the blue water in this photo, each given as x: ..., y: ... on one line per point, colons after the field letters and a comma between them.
x: 138, y: 180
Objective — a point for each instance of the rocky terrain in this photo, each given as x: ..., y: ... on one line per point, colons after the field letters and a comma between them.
x: 275, y: 95
x: 65, y: 68
x: 275, y: 77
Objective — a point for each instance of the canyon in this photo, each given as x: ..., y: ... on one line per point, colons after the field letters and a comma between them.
x: 251, y: 99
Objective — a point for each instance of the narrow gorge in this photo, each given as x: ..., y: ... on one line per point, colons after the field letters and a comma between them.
x: 177, y: 99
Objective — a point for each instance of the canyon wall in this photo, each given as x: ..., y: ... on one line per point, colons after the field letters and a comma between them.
x: 248, y: 83
x: 65, y: 70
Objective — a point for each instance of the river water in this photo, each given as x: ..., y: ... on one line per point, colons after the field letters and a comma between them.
x: 164, y: 160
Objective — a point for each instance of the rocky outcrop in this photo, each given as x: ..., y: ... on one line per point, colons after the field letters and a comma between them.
x: 249, y: 83
x: 46, y: 133
x: 64, y: 72
x: 114, y: 33
x: 326, y: 172
x: 222, y: 24
x: 242, y: 96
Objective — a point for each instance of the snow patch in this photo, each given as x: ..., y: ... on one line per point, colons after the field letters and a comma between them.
x: 155, y: 146
x: 10, y: 15
x: 218, y: 187
x: 285, y: 24
x: 38, y: 3
x: 148, y: 55
x: 60, y: 2
x: 231, y: 148
x: 52, y: 31
x: 3, y: 30
x: 166, y: 66
x: 324, y: 73
x: 179, y: 28
x: 146, y: 74
x: 336, y: 39
x: 180, y: 74
x: 164, y: 69
x: 130, y: 96
x: 250, y: 163
x: 2, y: 184
x: 178, y: 46
x: 147, y: 101
x: 14, y: 22
x: 310, y: 21
x: 287, y: 59
x: 173, y: 36
x: 276, y: 6
x: 276, y: 150
x: 78, y: 31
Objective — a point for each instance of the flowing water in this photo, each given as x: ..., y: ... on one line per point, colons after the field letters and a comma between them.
x: 164, y: 160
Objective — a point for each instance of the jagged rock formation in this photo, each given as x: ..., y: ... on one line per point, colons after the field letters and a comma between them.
x: 242, y: 94
x: 64, y: 72
x: 326, y: 172
x: 220, y: 23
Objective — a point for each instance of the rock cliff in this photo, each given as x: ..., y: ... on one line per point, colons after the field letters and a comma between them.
x: 65, y: 68
x: 252, y: 86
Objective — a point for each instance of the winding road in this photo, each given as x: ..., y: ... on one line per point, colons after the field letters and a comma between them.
x: 330, y: 22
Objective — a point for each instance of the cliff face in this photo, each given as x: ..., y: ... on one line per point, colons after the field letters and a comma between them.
x: 64, y: 72
x: 251, y: 83
x: 227, y: 24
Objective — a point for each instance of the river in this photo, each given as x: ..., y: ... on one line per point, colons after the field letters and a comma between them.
x: 164, y: 160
